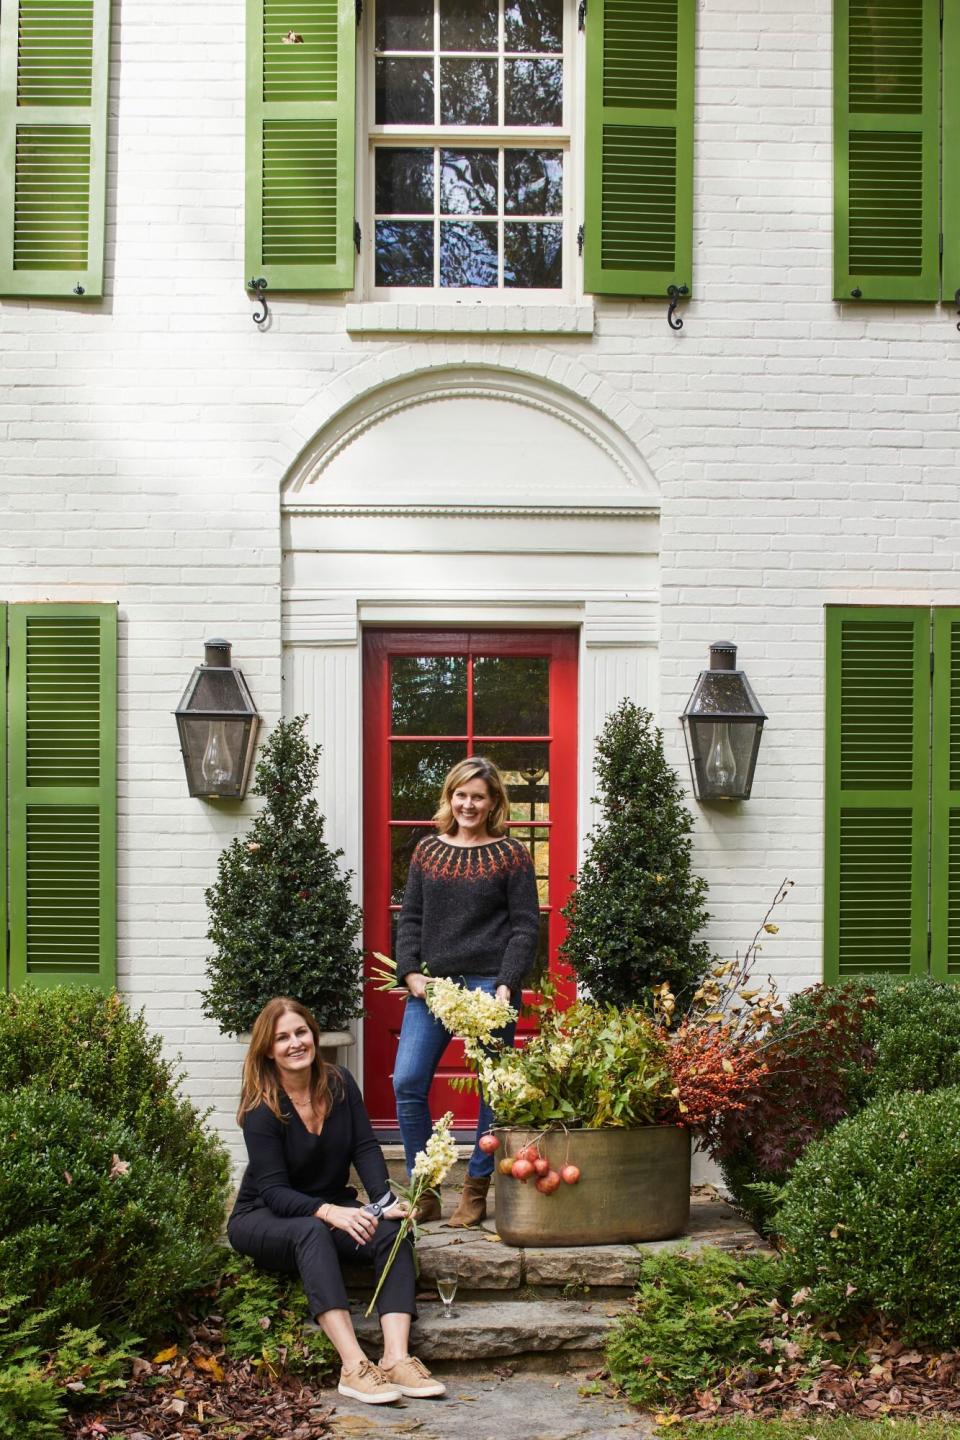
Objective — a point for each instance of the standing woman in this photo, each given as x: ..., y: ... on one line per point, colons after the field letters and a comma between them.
x: 470, y: 912
x: 304, y: 1124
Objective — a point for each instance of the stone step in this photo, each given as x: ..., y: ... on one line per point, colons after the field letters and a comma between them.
x: 397, y: 1169
x: 535, y: 1302
x: 484, y: 1264
x: 479, y: 1330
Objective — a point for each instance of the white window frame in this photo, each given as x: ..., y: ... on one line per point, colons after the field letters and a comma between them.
x: 567, y: 138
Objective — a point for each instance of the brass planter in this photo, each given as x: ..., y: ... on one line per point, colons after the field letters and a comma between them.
x: 634, y: 1185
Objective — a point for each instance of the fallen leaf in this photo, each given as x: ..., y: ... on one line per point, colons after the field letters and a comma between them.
x: 177, y: 1406
x: 208, y: 1363
x: 494, y: 1239
x: 163, y: 1356
x: 68, y: 1177
x: 118, y: 1167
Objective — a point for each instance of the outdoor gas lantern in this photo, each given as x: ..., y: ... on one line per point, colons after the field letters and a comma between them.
x: 722, y: 725
x: 217, y: 721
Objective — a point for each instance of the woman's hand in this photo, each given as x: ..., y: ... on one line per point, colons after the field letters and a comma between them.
x: 416, y: 984
x: 359, y: 1224
x: 503, y: 993
x: 397, y: 1211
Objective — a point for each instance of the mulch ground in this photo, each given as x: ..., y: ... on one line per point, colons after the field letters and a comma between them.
x: 893, y: 1379
x: 194, y: 1395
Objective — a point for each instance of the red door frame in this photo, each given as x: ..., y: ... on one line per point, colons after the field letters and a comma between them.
x: 384, y: 1011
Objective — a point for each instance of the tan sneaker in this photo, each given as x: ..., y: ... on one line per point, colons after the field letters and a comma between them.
x: 368, y: 1383
x: 412, y: 1378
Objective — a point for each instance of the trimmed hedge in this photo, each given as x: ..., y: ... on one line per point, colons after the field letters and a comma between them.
x: 870, y: 1218
x: 81, y: 1081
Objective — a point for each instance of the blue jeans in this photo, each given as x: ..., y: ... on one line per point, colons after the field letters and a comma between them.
x: 422, y: 1042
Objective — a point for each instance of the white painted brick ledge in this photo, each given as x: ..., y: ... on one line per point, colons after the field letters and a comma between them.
x: 378, y: 318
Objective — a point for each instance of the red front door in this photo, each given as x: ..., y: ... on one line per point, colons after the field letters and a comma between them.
x: 430, y: 698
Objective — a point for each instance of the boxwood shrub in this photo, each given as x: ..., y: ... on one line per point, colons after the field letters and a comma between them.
x: 95, y: 1229
x: 82, y: 1080
x: 870, y: 1217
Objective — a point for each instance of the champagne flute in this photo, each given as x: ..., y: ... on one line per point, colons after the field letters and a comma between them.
x: 447, y: 1289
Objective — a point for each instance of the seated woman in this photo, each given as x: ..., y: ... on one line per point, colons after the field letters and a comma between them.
x: 304, y: 1123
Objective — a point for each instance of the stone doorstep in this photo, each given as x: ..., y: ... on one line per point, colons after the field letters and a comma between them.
x: 485, y: 1263
x: 505, y: 1311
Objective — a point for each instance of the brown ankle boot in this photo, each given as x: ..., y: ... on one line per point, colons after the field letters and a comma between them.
x: 472, y: 1205
x: 428, y: 1208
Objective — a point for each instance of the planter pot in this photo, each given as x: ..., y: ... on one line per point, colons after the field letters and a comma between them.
x: 634, y: 1185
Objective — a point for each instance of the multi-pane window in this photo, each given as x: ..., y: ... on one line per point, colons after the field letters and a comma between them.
x: 469, y: 144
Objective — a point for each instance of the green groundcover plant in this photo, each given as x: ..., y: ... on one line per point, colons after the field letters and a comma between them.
x: 36, y: 1381
x: 870, y: 1218
x: 833, y: 1429
x: 696, y: 1318
x: 244, y: 1316
x: 264, y: 1318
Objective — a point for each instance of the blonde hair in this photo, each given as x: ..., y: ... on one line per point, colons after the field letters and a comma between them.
x: 476, y: 767
x: 261, y: 1083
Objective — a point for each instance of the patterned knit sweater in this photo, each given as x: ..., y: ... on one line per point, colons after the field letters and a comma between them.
x: 469, y: 910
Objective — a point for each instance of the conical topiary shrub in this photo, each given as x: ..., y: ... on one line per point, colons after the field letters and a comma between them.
x: 637, y: 907
x: 282, y: 919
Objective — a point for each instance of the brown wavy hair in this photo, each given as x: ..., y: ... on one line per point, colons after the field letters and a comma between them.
x: 476, y: 767
x: 261, y: 1083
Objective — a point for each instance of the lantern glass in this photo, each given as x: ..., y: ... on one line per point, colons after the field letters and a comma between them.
x: 217, y: 721
x: 722, y: 725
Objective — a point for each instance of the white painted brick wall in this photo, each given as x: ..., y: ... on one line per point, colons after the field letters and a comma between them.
x: 806, y: 452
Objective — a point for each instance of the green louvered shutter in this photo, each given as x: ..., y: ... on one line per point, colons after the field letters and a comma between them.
x: 301, y: 81
x: 877, y: 791
x: 54, y: 57
x: 950, y: 158
x: 639, y: 146
x: 886, y: 238
x: 62, y: 817
x: 945, y: 807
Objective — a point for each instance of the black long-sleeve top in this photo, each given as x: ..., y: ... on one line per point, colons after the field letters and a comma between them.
x: 293, y: 1172
x: 469, y: 910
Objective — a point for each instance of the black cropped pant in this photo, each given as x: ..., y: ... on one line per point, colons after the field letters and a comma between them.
x: 292, y: 1245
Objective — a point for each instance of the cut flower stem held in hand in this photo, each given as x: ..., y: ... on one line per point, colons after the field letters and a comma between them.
x: 430, y: 1168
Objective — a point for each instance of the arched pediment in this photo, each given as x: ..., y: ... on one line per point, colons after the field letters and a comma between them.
x: 469, y: 438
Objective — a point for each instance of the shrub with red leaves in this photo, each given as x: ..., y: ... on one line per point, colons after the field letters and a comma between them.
x: 804, y: 1090
x: 715, y: 1074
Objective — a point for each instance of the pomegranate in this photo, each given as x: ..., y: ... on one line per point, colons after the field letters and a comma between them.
x: 488, y: 1143
x: 548, y: 1183
x: 530, y: 1153
x: 541, y: 1165
x: 506, y: 1165
x: 570, y: 1174
x: 522, y: 1170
